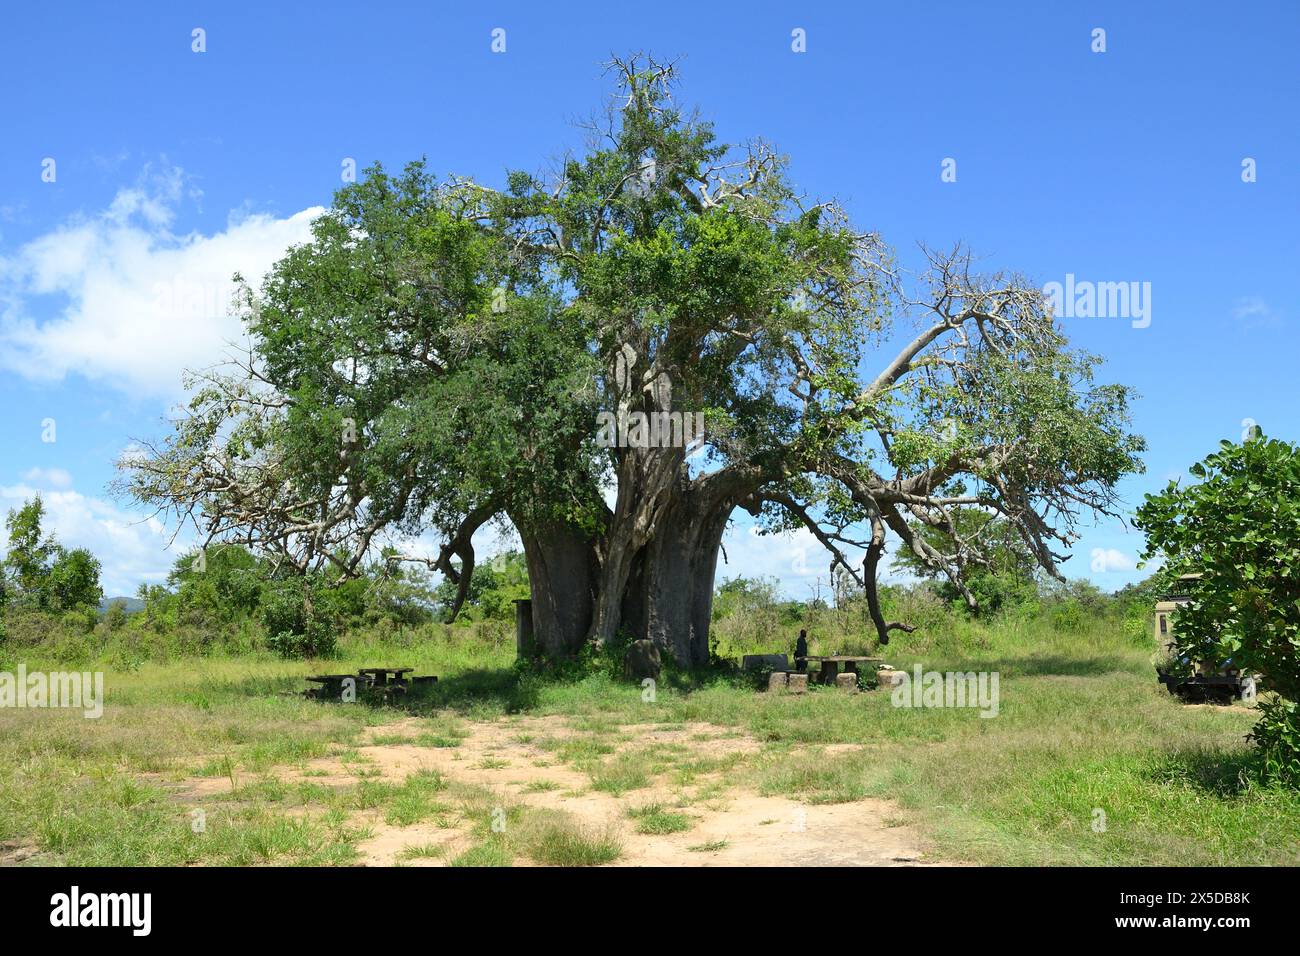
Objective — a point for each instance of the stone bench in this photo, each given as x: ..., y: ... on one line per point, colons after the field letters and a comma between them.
x: 755, y: 662
x: 888, y: 678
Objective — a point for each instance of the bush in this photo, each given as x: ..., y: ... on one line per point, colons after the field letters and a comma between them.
x: 1277, y: 739
x: 1137, y: 623
x: 1238, y: 530
x: 81, y: 620
x: 1068, y: 616
x: 301, y: 617
x: 218, y: 584
x: 115, y: 616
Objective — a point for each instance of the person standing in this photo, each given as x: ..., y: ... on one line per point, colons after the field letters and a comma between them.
x: 801, y: 652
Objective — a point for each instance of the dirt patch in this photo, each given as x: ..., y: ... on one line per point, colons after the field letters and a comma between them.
x: 389, y: 844
x: 531, y: 761
x: 14, y: 852
x: 732, y: 826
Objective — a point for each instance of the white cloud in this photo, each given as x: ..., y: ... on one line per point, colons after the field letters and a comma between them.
x: 137, y: 304
x: 1107, y: 560
x: 1253, y: 312
x: 48, y: 477
x: 130, y: 548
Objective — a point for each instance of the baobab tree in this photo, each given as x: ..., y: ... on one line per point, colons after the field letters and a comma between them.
x: 440, y: 353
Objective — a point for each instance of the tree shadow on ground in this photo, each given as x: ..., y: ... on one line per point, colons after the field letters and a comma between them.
x: 495, y: 688
x: 1222, y: 774
x: 1059, y: 665
x: 512, y: 690
x: 489, y: 688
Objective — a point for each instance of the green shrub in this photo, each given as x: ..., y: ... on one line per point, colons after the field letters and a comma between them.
x: 1238, y: 530
x: 1068, y: 616
x: 1277, y: 738
x: 301, y: 617
x: 80, y: 620
x: 115, y: 616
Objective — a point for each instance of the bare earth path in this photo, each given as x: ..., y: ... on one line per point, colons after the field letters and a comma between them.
x: 516, y: 759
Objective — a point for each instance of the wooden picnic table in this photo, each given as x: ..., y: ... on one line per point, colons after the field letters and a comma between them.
x: 332, y: 684
x: 381, y: 674
x: 830, y: 664
x: 386, y: 682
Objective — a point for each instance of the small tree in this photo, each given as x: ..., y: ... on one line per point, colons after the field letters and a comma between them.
x: 27, y: 563
x: 1239, y: 528
x: 73, y: 580
x: 301, y: 616
x: 42, y: 572
x: 742, y: 595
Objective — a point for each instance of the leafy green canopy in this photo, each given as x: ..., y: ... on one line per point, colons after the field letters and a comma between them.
x: 1238, y: 527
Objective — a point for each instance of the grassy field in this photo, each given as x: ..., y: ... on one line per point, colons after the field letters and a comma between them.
x: 1083, y: 731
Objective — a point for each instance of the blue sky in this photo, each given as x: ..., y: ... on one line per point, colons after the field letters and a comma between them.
x: 174, y: 168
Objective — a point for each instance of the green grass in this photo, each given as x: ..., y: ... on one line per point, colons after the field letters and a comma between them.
x: 654, y: 819
x: 418, y: 799
x: 508, y: 831
x: 491, y: 852
x: 812, y: 776
x: 423, y: 851
x: 621, y: 773
x: 554, y: 839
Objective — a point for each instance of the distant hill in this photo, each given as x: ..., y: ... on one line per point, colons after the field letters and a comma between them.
x: 131, y: 604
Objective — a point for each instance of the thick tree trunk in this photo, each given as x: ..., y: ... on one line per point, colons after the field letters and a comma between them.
x: 669, y: 592
x: 662, y: 588
x: 649, y: 485
x: 676, y: 582
x: 562, y: 574
x: 672, y: 602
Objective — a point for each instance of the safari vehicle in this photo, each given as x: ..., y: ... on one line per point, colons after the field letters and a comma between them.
x: 1194, y: 681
